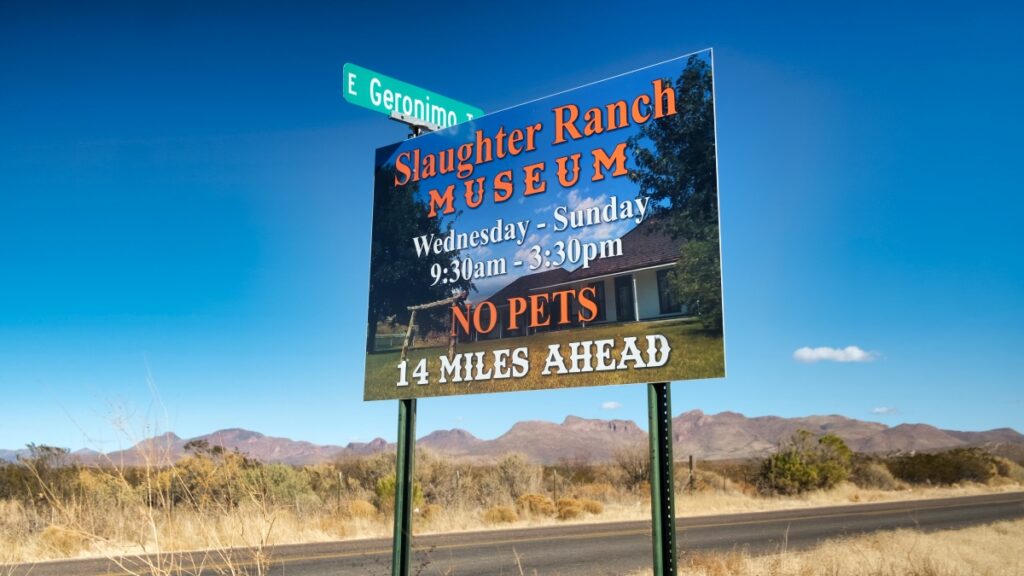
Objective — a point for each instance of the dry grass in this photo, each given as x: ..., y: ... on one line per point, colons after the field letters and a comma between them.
x: 111, y: 516
x: 735, y: 500
x: 74, y: 530
x: 991, y: 550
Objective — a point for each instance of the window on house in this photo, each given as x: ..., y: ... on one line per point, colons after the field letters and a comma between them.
x: 625, y: 308
x: 666, y: 296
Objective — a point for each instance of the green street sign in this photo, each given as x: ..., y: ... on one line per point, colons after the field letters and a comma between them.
x: 386, y: 95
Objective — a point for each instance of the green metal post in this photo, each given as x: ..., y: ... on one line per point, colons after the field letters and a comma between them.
x: 663, y: 515
x: 401, y: 556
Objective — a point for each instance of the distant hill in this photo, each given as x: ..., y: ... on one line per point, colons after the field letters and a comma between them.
x: 11, y: 455
x: 706, y: 436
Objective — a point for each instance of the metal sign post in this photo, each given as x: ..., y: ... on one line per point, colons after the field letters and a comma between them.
x: 401, y: 553
x: 663, y: 514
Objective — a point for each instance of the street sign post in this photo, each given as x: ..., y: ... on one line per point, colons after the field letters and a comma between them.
x: 391, y: 97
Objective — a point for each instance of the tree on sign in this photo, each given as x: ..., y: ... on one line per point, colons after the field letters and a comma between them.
x: 398, y: 214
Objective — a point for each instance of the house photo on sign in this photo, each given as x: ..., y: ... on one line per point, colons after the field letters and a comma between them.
x: 570, y: 241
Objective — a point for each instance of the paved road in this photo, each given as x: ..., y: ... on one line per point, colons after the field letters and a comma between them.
x: 597, y: 549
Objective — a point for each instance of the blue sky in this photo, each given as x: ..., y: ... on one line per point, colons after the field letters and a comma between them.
x: 185, y: 198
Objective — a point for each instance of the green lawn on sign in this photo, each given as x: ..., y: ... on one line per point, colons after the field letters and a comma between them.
x: 695, y: 354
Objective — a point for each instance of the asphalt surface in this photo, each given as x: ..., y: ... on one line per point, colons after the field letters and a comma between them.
x: 578, y: 550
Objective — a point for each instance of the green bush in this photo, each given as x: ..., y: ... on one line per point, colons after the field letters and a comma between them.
x: 386, y: 494
x: 949, y: 467
x: 805, y: 464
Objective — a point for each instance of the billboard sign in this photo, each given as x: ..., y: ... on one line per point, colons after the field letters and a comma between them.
x: 569, y: 241
x: 386, y: 95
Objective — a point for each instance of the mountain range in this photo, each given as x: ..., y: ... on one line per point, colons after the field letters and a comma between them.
x: 724, y: 435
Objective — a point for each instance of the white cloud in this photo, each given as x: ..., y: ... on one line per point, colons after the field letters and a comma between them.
x: 849, y: 354
x: 884, y: 411
x: 523, y: 254
x: 610, y: 405
x: 577, y: 202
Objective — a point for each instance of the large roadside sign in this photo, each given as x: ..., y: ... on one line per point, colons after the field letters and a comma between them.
x: 384, y: 94
x: 570, y: 241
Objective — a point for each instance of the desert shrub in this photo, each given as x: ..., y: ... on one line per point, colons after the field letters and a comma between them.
x: 740, y: 472
x: 208, y: 478
x: 363, y: 474
x: 805, y: 464
x: 280, y: 485
x: 332, y: 525
x: 591, y: 506
x: 536, y: 505
x: 385, y: 492
x: 17, y: 482
x: 430, y: 512
x: 326, y: 481
x: 15, y: 519
x: 634, y: 465
x: 868, y: 473
x: 443, y: 479
x: 949, y: 467
x: 574, y: 471
x: 600, y: 491
x: 104, y: 488
x: 485, y: 488
x: 62, y: 541
x: 500, y: 515
x: 44, y: 474
x: 569, y: 508
x: 1009, y: 469
x: 708, y: 481
x: 360, y: 509
x: 517, y: 475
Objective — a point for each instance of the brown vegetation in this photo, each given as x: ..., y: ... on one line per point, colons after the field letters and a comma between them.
x: 992, y: 550
x: 215, y: 499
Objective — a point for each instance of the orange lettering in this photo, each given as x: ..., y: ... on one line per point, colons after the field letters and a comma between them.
x: 533, y: 177
x: 401, y: 168
x: 664, y: 93
x: 638, y: 116
x: 492, y: 314
x: 516, y: 307
x: 437, y: 200
x: 565, y: 124
x: 503, y: 182
x: 460, y: 318
x: 538, y: 311
x: 603, y: 160
x: 587, y: 301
